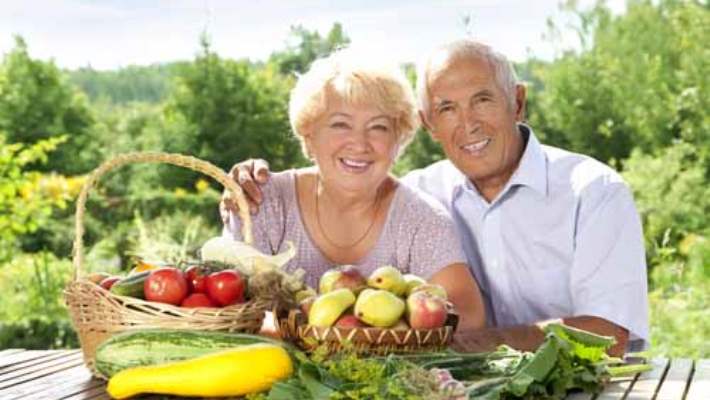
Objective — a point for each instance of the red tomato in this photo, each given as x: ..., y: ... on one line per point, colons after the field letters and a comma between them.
x: 165, y: 285
x: 195, y: 276
x: 225, y: 287
x: 106, y: 283
x: 197, y: 300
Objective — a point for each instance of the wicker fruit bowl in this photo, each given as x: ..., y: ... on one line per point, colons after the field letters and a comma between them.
x: 370, y: 340
x: 98, y: 314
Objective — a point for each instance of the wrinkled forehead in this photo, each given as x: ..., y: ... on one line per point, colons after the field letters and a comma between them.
x: 444, y: 66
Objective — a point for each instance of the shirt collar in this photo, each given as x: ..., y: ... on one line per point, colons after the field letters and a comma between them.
x: 531, y: 171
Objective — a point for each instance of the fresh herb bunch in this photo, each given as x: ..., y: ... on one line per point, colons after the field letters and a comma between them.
x: 568, y: 359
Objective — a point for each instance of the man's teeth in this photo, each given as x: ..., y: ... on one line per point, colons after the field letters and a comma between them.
x: 477, y: 146
x: 355, y: 163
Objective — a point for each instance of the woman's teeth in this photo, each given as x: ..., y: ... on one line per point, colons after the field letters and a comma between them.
x: 476, y: 146
x: 355, y: 164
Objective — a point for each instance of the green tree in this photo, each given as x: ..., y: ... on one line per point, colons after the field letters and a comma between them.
x: 639, y: 81
x: 232, y: 110
x: 305, y: 46
x: 37, y: 103
x: 130, y: 84
x: 23, y: 206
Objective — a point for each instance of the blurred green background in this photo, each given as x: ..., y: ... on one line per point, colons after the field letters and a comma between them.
x: 635, y: 96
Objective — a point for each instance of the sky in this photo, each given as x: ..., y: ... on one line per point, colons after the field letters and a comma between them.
x: 114, y: 34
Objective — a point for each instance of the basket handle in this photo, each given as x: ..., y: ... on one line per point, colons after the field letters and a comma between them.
x: 155, y: 157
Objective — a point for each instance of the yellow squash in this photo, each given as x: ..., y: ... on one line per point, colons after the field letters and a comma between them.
x: 234, y: 372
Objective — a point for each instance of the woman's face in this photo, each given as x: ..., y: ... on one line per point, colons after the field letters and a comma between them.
x: 353, y: 146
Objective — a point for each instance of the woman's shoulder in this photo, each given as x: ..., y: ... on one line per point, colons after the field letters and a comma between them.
x: 410, y: 201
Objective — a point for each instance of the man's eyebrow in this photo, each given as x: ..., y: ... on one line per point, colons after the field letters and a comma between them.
x: 484, y: 93
x: 442, y: 102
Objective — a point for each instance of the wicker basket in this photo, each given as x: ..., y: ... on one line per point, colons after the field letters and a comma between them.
x: 377, y: 341
x: 98, y: 314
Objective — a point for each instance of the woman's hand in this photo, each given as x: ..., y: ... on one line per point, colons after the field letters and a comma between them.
x: 249, y: 175
x: 463, y: 292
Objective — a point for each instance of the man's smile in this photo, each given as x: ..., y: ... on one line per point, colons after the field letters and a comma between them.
x: 477, y: 147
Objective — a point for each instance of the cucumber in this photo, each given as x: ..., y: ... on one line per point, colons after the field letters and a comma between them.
x: 131, y: 285
x: 157, y: 346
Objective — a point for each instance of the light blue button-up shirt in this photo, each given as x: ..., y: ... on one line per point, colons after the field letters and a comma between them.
x: 562, y: 239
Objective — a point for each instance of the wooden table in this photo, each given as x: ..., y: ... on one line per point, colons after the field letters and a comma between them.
x: 60, y: 374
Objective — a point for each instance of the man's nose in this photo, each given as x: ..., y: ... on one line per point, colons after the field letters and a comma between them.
x: 470, y: 120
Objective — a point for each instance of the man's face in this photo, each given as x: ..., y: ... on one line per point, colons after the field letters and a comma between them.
x: 474, y: 120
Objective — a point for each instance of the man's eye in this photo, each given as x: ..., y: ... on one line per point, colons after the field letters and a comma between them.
x: 444, y: 109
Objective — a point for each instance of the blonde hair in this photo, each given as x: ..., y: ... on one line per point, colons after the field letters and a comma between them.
x: 465, y: 50
x: 354, y: 79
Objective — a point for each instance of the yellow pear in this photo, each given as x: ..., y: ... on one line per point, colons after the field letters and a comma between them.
x: 328, y: 307
x: 327, y: 280
x: 388, y: 278
x: 412, y: 282
x: 379, y: 308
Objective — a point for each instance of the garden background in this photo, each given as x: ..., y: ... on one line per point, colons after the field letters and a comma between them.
x: 635, y: 95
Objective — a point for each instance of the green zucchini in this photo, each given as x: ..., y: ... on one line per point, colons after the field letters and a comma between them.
x: 132, y: 285
x: 157, y: 346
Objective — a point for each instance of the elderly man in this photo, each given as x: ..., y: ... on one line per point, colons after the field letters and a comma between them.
x: 549, y: 234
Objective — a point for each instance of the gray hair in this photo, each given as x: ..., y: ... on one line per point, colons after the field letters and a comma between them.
x: 465, y: 49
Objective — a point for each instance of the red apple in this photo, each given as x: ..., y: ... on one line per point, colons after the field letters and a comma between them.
x: 197, y: 300
x: 426, y: 311
x: 350, y: 278
x: 349, y: 321
x: 196, y: 277
x: 226, y: 287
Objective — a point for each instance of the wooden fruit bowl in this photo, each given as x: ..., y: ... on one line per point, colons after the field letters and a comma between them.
x: 294, y: 327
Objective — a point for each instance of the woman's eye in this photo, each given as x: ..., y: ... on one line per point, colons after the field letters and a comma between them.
x: 339, y: 125
x: 383, y: 128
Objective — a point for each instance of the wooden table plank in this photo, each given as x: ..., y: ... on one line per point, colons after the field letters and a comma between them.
x: 7, y: 352
x: 580, y: 396
x: 63, y: 383
x: 22, y: 356
x: 98, y: 392
x: 35, y: 372
x: 700, y: 386
x: 36, y: 360
x: 647, y: 383
x: 617, y: 388
x: 676, y: 380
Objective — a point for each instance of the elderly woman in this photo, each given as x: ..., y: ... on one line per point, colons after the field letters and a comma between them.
x: 353, y: 119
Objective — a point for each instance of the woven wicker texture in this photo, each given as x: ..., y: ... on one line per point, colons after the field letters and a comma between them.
x: 98, y: 314
x: 366, y: 340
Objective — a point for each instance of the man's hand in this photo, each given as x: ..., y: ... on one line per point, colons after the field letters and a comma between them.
x: 248, y: 175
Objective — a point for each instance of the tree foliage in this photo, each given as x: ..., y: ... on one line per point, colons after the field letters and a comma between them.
x: 37, y: 103
x: 638, y: 82
x: 234, y: 111
x: 306, y: 46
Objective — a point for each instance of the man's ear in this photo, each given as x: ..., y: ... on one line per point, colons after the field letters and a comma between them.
x: 521, y: 93
x: 427, y: 125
